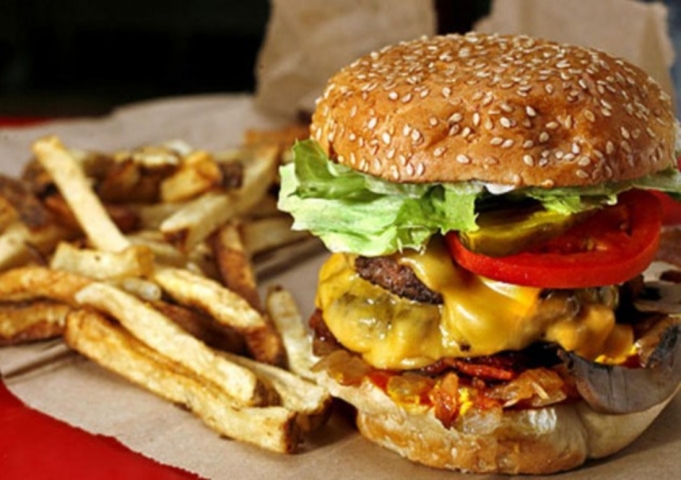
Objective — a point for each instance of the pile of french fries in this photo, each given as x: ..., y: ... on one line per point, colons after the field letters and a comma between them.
x: 142, y: 261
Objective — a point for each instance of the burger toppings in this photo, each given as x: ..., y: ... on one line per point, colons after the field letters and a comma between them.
x: 611, y: 246
x: 617, y: 389
x: 387, y: 272
x: 479, y: 316
x: 354, y: 212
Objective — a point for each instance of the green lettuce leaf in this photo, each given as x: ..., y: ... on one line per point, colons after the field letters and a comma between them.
x: 354, y: 212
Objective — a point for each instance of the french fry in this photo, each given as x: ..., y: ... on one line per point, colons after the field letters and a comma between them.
x: 198, y: 174
x: 259, y: 174
x: 267, y: 234
x: 274, y: 428
x: 140, y: 287
x: 203, y: 327
x: 198, y: 219
x: 202, y: 216
x: 78, y: 193
x: 34, y: 282
x: 163, y: 157
x: 226, y: 307
x: 150, y: 216
x: 286, y: 316
x: 8, y: 214
x: 20, y: 245
x: 209, y: 296
x: 311, y: 401
x: 164, y: 253
x: 201, y: 260
x: 18, y: 197
x: 163, y: 335
x: 24, y: 322
x: 121, y: 183
x: 234, y: 264
x: 133, y: 261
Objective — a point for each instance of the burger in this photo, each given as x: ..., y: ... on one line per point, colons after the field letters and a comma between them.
x: 488, y: 202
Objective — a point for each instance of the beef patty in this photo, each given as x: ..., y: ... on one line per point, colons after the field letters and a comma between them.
x: 398, y: 279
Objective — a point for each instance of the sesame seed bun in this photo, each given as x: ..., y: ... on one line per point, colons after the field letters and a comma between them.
x: 508, y: 110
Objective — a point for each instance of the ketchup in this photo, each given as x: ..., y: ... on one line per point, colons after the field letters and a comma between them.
x: 36, y: 446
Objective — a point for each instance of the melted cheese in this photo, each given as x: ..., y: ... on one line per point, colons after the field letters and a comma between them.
x: 479, y: 316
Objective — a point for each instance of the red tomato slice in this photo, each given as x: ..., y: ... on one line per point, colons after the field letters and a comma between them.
x: 612, y: 246
x: 671, y: 209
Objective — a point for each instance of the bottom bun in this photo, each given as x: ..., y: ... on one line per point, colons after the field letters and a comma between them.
x: 535, y: 441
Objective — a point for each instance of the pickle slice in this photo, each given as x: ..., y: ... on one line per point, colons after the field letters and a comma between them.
x: 509, y: 231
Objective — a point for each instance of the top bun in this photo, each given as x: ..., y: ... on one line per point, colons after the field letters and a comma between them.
x: 509, y: 110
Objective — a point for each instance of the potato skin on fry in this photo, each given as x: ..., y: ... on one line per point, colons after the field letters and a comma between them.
x: 90, y: 333
x: 23, y: 322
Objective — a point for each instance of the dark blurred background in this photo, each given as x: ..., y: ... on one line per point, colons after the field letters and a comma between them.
x: 83, y: 57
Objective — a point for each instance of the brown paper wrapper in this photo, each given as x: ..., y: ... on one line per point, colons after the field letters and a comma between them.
x: 50, y: 378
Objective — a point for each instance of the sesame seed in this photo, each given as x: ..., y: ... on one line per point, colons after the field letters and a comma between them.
x: 406, y: 130
x: 454, y: 129
x: 582, y: 174
x: 461, y: 158
x: 439, y: 151
x: 496, y: 141
x: 543, y: 137
x: 508, y: 143
x: 531, y: 112
x: 488, y: 99
x: 386, y: 138
x: 528, y: 160
x: 395, y: 172
x: 552, y: 125
x: 455, y: 117
x: 372, y: 123
x: 406, y: 98
x: 528, y: 144
x: 609, y: 148
x: 584, y: 161
x: 589, y: 115
x: 505, y: 122
x: 476, y: 119
x: 393, y: 95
